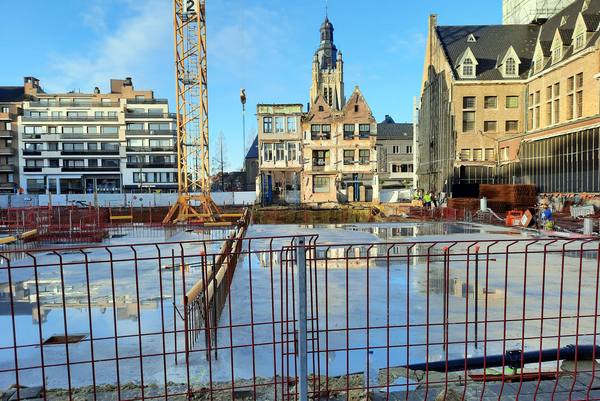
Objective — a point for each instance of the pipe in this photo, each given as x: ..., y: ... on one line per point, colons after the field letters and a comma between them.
x: 512, y: 359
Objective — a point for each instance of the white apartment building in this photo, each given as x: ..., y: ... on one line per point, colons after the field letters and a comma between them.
x: 122, y: 141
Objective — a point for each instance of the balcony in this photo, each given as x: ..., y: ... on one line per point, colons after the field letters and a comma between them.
x: 151, y: 165
x: 7, y: 168
x: 7, y: 133
x: 68, y: 118
x: 89, y: 152
x: 87, y: 168
x: 7, y: 151
x: 7, y: 185
x: 348, y: 135
x: 364, y: 135
x: 99, y: 135
x: 32, y: 169
x: 151, y: 115
x: 8, y: 116
x: 147, y: 101
x: 76, y: 104
x: 151, y: 132
x: 151, y: 149
x: 27, y: 152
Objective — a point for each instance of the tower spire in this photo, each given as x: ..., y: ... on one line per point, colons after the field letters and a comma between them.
x: 325, y: 8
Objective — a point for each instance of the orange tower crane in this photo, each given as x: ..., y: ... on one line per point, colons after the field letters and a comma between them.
x: 192, y: 114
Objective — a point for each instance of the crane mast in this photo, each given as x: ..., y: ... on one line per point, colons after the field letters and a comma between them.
x: 192, y: 113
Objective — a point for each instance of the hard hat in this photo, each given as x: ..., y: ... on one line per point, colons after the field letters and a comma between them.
x: 544, y: 206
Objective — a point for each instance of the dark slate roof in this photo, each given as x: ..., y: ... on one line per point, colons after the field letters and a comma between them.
x: 591, y: 21
x: 253, y: 151
x: 386, y: 131
x: 491, y: 42
x: 12, y: 93
x: 388, y: 120
x: 546, y: 45
x: 566, y: 36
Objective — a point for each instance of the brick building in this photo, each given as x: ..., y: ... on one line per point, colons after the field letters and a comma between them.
x: 513, y: 103
x: 395, y: 165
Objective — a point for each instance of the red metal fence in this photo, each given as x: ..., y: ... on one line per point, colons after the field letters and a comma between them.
x: 116, y: 319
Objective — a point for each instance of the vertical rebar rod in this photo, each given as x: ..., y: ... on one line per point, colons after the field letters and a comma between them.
x: 302, y: 339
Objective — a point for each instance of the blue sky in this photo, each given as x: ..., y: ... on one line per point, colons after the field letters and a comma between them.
x: 74, y: 44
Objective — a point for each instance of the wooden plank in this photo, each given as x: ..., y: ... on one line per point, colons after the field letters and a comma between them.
x: 120, y: 217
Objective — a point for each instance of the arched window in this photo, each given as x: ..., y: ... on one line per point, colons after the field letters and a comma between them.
x: 511, y: 66
x: 468, y: 67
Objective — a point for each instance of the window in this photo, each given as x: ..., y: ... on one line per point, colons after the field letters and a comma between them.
x: 512, y: 102
x: 72, y: 130
x: 477, y: 154
x: 395, y: 149
x: 409, y: 149
x: 135, y: 142
x: 109, y: 130
x: 159, y: 126
x: 538, y: 63
x: 570, y: 107
x: 355, y: 108
x: 326, y: 128
x: 279, y: 151
x: 469, y: 102
x: 52, y: 146
x: 465, y: 155
x: 490, y: 102
x: 92, y: 130
x: 489, y: 154
x: 556, y: 111
x: 511, y: 66
x: 139, y: 177
x: 579, y: 80
x: 468, y: 121
x: 110, y: 162
x: 6, y: 110
x: 321, y: 108
x: 321, y: 184
x: 34, y: 163
x: 548, y: 113
x: 113, y: 113
x: 365, y: 130
x: 348, y: 156
x: 267, y: 124
x: 315, y: 129
x: 73, y: 163
x: 53, y: 163
x: 512, y: 125
x: 267, y: 152
x: 348, y: 131
x: 57, y: 114
x: 72, y: 147
x: 570, y: 83
x: 135, y: 126
x: 537, y: 97
x: 537, y: 116
x: 364, y: 156
x: 489, y: 126
x: 279, y: 125
x: 556, y: 54
x: 468, y: 67
x: 98, y: 114
x: 48, y: 102
x: 82, y: 101
x: 320, y: 157
x: 92, y: 162
x: 579, y: 41
x: 76, y: 113
x: 292, y: 151
x: 139, y: 97
x: 579, y: 104
x: 291, y: 124
x: 556, y: 89
x: 549, y: 92
x: 108, y: 146
x: 32, y: 147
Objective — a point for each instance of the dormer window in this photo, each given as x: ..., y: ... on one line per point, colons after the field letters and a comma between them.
x: 563, y: 20
x: 511, y: 66
x: 538, y: 63
x: 556, y: 54
x: 585, y: 6
x: 467, y: 68
x: 471, y: 38
x: 579, y: 41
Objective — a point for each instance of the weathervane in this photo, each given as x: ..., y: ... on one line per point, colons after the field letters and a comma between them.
x: 325, y: 8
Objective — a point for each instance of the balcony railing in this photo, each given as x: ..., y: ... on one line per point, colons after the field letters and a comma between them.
x: 320, y: 136
x: 151, y: 165
x: 99, y: 135
x: 74, y: 104
x: 90, y: 152
x: 32, y: 169
x: 27, y: 152
x: 147, y: 101
x: 151, y: 132
x: 364, y: 135
x: 7, y: 167
x: 348, y: 135
x: 68, y: 118
x: 8, y: 116
x: 319, y: 165
x: 151, y: 115
x: 151, y: 149
x: 348, y: 162
x: 7, y: 133
x: 87, y: 168
x: 7, y: 151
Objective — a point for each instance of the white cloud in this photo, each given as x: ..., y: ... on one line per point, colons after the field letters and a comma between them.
x: 142, y: 36
x: 412, y: 46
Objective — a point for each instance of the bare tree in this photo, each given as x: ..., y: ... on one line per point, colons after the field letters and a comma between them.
x: 219, y: 157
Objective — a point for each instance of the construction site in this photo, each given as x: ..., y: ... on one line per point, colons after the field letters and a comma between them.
x: 471, y: 297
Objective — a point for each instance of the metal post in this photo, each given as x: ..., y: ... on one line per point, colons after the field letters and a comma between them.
x: 302, y: 337
x: 476, y: 292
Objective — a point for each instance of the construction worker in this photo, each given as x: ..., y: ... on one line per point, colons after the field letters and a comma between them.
x: 546, y: 220
x: 427, y: 199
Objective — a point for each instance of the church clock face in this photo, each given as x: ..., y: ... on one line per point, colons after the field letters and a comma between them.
x: 328, y: 53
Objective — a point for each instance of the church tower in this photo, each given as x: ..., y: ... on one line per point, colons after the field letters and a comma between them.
x: 328, y: 71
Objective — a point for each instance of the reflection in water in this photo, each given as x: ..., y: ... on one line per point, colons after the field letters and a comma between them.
x: 50, y: 298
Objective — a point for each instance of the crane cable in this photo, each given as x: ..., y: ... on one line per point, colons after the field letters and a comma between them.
x: 242, y: 73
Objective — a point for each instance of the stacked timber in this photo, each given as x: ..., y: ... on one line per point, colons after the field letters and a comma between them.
x: 516, y: 197
x: 471, y: 204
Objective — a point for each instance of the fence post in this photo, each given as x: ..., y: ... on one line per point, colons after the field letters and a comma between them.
x: 302, y: 337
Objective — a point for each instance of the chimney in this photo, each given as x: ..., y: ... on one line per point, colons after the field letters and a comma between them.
x: 96, y: 90
x: 128, y: 82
